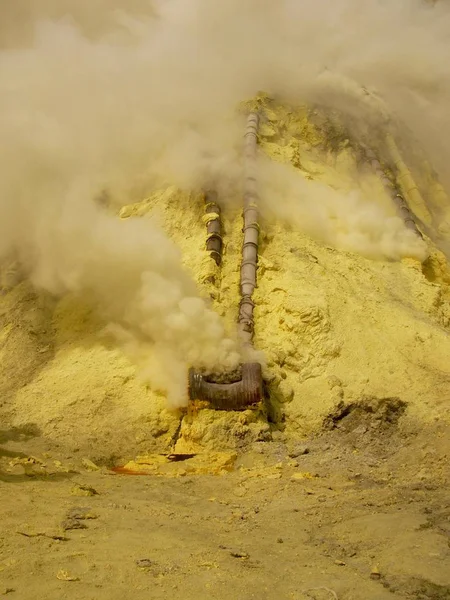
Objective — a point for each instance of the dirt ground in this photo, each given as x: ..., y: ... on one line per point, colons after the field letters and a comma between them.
x: 359, y: 512
x: 338, y: 487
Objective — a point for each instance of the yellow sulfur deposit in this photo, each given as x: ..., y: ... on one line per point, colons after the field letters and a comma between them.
x: 334, y: 326
x: 207, y: 463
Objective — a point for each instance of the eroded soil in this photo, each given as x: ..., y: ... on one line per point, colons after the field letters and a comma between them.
x: 360, y: 512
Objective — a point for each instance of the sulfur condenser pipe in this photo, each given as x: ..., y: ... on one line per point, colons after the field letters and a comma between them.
x: 238, y: 395
x: 407, y: 183
x: 249, y: 262
x: 391, y: 188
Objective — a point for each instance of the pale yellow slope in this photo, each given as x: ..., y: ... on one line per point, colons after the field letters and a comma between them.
x: 334, y: 327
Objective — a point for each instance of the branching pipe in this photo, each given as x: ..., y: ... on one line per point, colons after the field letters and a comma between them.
x: 213, y: 227
x: 248, y: 391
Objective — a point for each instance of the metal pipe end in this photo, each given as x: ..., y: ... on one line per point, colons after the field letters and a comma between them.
x: 239, y: 395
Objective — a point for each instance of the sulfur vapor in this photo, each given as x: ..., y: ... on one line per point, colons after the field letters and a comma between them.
x: 129, y: 95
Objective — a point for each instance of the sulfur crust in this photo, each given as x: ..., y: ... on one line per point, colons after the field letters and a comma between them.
x: 333, y: 326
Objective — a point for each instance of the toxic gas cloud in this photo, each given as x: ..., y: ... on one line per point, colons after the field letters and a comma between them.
x: 124, y: 96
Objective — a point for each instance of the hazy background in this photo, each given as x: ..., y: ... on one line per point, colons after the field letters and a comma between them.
x: 127, y: 95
